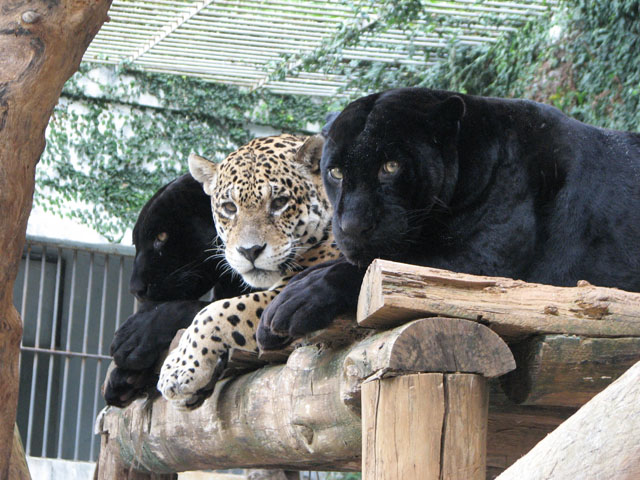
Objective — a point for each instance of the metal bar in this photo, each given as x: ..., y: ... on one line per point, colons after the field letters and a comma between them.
x: 65, y: 377
x: 65, y: 353
x: 34, y: 370
x: 52, y: 343
x: 103, y: 304
x: 126, y: 250
x: 119, y: 298
x: 85, y: 336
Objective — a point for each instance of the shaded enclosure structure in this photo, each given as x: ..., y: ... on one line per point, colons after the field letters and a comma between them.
x: 72, y: 297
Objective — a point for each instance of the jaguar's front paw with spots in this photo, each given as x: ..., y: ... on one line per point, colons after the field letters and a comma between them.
x: 186, y: 380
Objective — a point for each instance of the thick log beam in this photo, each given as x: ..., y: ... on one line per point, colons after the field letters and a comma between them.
x: 41, y: 45
x: 393, y: 292
x: 298, y: 416
x: 566, y: 370
x: 601, y: 440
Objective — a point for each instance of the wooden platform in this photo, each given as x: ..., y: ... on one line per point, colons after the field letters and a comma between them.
x: 568, y: 343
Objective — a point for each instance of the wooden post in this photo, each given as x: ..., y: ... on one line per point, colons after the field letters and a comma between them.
x: 425, y: 426
x: 41, y: 45
x: 432, y: 426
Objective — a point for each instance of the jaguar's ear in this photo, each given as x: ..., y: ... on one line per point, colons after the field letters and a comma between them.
x: 203, y: 171
x: 309, y: 154
x: 445, y: 118
x: 453, y: 108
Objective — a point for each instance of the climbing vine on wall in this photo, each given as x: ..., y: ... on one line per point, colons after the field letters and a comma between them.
x: 118, y: 135
x: 109, y: 150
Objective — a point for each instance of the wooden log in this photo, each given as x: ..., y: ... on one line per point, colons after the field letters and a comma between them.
x: 393, y: 292
x: 111, y: 467
x: 600, y: 441
x: 425, y: 426
x: 18, y: 468
x: 302, y: 415
x: 563, y: 370
x: 41, y: 45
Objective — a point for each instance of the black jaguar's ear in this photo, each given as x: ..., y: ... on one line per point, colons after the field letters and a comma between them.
x: 453, y: 108
x: 203, y: 171
x: 445, y: 118
x: 310, y: 152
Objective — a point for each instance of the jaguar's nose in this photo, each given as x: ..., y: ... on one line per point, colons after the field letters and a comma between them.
x: 251, y: 253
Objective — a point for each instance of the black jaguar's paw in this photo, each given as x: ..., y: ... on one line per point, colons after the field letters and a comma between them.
x: 309, y: 302
x: 267, y: 340
x: 139, y: 342
x: 132, y: 347
x: 124, y: 386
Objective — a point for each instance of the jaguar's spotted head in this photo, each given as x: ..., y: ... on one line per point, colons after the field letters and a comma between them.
x: 268, y: 204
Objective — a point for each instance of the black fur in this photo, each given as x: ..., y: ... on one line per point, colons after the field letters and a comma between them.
x: 183, y: 267
x: 485, y: 186
x: 179, y: 270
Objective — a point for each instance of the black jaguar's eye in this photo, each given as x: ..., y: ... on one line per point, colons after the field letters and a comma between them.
x: 229, y: 208
x: 336, y: 173
x: 160, y: 240
x: 279, y: 203
x: 391, y: 167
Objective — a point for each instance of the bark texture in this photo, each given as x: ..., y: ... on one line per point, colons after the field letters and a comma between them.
x: 41, y: 45
x: 393, y: 293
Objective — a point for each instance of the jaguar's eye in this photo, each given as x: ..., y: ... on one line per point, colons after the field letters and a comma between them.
x: 229, y: 208
x: 391, y: 167
x: 336, y: 173
x: 279, y: 203
x: 160, y: 240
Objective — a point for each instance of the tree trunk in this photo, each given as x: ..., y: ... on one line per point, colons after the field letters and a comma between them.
x: 41, y: 45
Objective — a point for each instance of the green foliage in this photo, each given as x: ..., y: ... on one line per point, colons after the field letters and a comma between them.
x: 104, y: 168
x: 105, y: 156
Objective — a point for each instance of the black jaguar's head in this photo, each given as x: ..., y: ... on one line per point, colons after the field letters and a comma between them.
x: 175, y: 240
x: 389, y: 163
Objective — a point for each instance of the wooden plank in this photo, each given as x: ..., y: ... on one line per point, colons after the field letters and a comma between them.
x: 600, y: 441
x: 402, y: 425
x: 563, y: 370
x: 393, y: 293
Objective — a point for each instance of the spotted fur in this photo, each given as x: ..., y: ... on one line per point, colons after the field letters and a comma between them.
x: 271, y: 212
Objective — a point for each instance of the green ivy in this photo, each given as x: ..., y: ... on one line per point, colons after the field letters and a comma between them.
x: 105, y: 156
x: 117, y: 152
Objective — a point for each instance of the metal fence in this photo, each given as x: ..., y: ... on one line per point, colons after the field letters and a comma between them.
x: 72, y: 297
